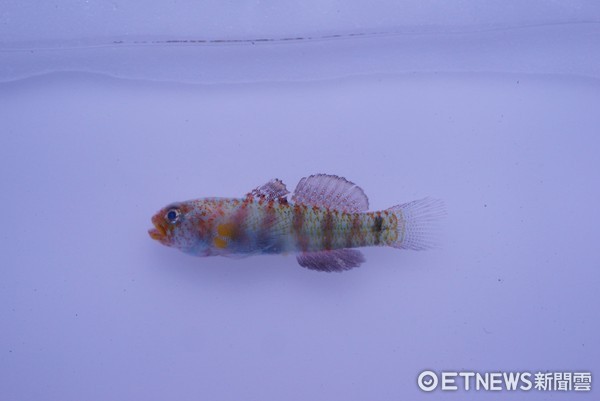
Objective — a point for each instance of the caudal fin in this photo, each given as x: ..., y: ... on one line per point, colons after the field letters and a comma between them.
x: 418, y: 223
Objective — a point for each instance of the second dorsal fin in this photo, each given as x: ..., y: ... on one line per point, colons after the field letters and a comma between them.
x: 330, y: 191
x: 272, y: 190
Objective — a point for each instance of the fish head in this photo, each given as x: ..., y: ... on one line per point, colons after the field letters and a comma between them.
x: 180, y: 225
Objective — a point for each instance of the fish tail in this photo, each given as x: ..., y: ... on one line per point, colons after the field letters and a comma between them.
x: 418, y: 223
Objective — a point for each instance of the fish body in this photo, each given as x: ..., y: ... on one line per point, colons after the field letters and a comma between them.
x: 323, y: 221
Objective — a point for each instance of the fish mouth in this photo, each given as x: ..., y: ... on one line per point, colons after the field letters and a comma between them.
x: 158, y: 233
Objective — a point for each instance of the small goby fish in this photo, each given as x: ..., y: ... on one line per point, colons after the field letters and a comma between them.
x: 325, y: 217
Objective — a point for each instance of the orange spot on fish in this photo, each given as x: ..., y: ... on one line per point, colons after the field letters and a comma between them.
x: 226, y: 229
x: 220, y: 243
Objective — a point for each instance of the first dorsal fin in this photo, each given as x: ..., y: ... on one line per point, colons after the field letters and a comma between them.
x: 331, y: 191
x: 272, y: 190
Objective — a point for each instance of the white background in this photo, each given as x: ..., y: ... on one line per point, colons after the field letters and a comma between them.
x: 93, y: 309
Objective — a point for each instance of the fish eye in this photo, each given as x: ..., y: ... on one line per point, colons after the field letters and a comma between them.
x: 173, y: 215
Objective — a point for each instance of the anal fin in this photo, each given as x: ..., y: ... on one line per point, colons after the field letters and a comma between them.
x: 336, y: 260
